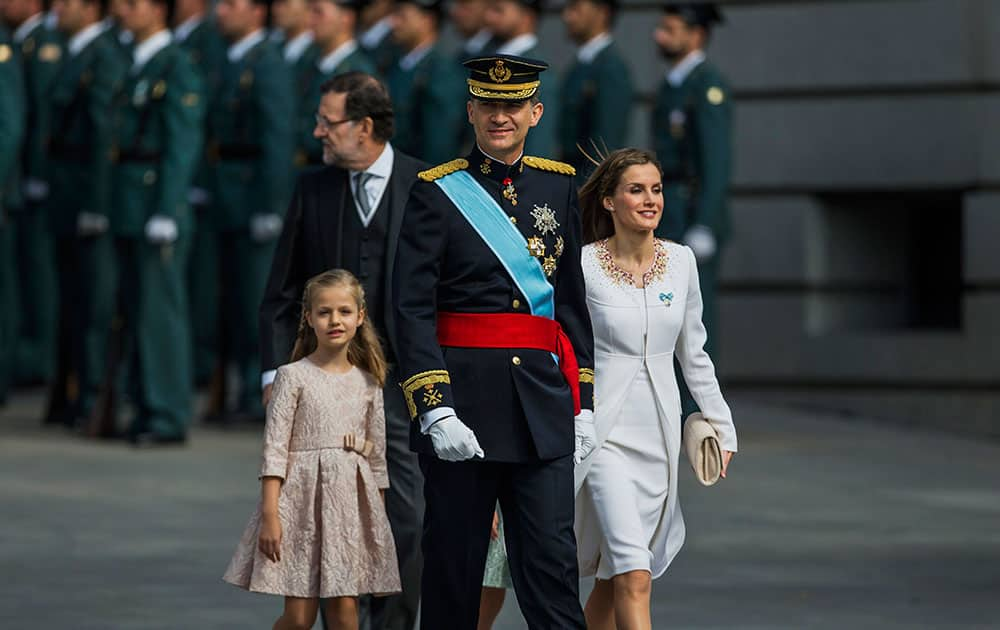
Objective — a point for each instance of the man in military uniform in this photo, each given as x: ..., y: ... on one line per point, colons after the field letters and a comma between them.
x: 79, y: 177
x: 469, y: 19
x: 692, y: 131
x: 291, y: 18
x: 425, y: 84
x: 375, y: 37
x: 196, y: 33
x: 158, y: 116
x: 333, y: 23
x: 597, y: 89
x: 40, y: 52
x: 11, y: 135
x: 251, y: 134
x: 514, y: 24
x: 488, y: 290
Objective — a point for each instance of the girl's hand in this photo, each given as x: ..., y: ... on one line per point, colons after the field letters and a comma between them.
x: 270, y: 538
x: 726, y: 456
x: 495, y: 530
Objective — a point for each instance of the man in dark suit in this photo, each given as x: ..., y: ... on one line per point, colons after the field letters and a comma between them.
x: 348, y: 215
x: 487, y: 289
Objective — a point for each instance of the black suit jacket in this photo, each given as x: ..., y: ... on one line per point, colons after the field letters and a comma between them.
x: 311, y: 243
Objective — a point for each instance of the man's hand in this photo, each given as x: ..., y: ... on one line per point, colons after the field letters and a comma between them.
x: 161, y: 230
x: 586, y: 439
x: 453, y: 441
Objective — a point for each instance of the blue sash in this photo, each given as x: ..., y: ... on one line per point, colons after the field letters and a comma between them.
x: 489, y: 220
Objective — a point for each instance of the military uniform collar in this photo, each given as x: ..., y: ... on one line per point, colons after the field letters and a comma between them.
x: 330, y: 62
x: 475, y: 44
x: 379, y: 30
x: 82, y: 39
x: 240, y: 49
x: 589, y: 51
x: 483, y: 163
x: 519, y: 45
x: 184, y: 30
x: 410, y: 60
x: 27, y: 26
x: 147, y: 50
x: 296, y: 47
x: 683, y: 68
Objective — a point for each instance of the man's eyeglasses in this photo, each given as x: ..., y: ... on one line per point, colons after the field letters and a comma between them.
x: 325, y: 124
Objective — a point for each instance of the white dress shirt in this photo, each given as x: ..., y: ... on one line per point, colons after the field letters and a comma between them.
x: 519, y: 45
x: 147, y: 49
x: 184, y: 30
x: 410, y: 60
x: 239, y: 50
x: 295, y: 48
x: 330, y: 62
x: 684, y: 67
x: 376, y: 33
x: 27, y: 26
x: 589, y: 51
x: 82, y: 39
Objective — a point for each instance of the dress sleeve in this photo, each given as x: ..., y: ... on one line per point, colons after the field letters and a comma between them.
x: 376, y: 435
x: 697, y: 366
x: 280, y: 420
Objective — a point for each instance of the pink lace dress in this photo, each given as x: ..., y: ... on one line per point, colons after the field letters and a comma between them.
x: 325, y: 437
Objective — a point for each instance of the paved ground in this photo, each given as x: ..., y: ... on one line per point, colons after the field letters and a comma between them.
x: 824, y: 523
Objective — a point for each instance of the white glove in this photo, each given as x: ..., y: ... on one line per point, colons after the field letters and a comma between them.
x: 586, y: 438
x: 265, y: 227
x: 91, y: 224
x: 161, y: 230
x: 702, y: 242
x: 199, y: 196
x: 35, y: 189
x: 453, y: 441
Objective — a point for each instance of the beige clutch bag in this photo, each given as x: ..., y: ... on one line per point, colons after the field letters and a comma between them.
x: 701, y: 444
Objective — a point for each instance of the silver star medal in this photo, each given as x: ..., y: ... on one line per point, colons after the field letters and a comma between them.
x: 545, y: 219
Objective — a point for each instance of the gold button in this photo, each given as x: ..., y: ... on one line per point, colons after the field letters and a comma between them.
x: 513, y: 220
x: 516, y: 303
x: 149, y: 178
x: 516, y: 360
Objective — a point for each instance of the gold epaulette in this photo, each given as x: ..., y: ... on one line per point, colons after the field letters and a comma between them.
x: 545, y: 164
x: 441, y: 170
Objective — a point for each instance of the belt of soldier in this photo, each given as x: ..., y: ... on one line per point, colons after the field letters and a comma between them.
x: 512, y: 330
x: 236, y: 151
x: 138, y: 156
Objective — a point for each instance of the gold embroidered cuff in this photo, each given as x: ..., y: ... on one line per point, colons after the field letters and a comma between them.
x: 586, y: 375
x: 426, y: 381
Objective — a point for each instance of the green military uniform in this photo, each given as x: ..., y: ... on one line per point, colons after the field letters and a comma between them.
x: 207, y: 50
x: 596, y: 100
x: 79, y: 175
x: 309, y: 150
x: 429, y: 105
x: 158, y: 121
x: 251, y: 139
x: 11, y: 136
x: 543, y: 139
x: 41, y: 54
x: 384, y: 53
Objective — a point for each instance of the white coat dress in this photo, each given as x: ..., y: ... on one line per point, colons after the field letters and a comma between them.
x: 629, y: 483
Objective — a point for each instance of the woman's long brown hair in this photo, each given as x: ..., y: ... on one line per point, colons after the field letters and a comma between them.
x: 365, y: 350
x: 597, y: 221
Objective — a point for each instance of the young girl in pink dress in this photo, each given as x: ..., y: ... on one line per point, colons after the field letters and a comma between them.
x: 321, y: 529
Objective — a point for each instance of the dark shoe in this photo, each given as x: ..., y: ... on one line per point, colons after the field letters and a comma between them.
x: 148, y: 439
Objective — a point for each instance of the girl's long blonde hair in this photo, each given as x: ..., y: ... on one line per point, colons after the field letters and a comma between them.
x: 365, y: 350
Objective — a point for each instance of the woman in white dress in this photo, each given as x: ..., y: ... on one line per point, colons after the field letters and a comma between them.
x: 645, y: 304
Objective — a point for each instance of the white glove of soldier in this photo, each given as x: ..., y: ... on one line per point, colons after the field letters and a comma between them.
x: 586, y: 438
x: 91, y: 224
x: 36, y: 189
x: 702, y: 242
x: 161, y: 230
x: 265, y: 227
x: 453, y: 441
x: 199, y: 196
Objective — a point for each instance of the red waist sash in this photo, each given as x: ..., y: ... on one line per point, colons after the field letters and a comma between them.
x: 512, y: 330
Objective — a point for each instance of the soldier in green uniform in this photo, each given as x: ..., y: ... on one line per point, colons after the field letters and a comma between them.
x: 79, y: 176
x: 291, y: 18
x: 596, y: 93
x: 692, y: 130
x: 375, y: 34
x: 11, y: 136
x: 468, y: 18
x: 426, y: 85
x: 196, y: 33
x: 251, y: 139
x: 40, y: 50
x: 514, y: 25
x: 333, y: 23
x: 158, y: 123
